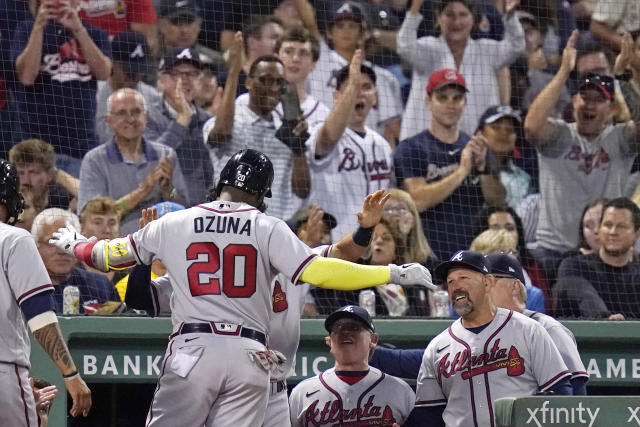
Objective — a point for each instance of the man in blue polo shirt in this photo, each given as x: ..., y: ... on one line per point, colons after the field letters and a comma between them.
x: 58, y: 61
x: 444, y: 169
x: 134, y: 172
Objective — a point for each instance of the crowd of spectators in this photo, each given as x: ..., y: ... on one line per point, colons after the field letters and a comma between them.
x: 512, y: 124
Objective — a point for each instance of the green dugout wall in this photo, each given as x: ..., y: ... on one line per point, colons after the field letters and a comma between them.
x: 120, y: 350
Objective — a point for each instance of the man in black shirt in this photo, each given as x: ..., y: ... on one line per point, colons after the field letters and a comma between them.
x: 604, y: 284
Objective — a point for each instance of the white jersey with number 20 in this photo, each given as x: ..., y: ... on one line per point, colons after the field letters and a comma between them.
x: 221, y: 258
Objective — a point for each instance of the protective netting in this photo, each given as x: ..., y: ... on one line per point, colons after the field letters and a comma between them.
x: 465, y: 108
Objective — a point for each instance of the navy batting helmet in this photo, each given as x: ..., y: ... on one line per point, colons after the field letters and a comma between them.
x: 250, y: 171
x: 9, y: 194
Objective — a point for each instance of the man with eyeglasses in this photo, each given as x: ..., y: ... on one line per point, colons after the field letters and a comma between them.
x: 578, y: 162
x: 130, y: 169
x: 256, y: 125
x: 348, y: 159
x: 351, y: 391
x: 176, y: 121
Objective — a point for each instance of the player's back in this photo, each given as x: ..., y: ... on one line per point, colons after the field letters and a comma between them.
x: 221, y: 258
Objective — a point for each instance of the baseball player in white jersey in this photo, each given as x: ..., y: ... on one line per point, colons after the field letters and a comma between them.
x: 287, y: 300
x: 509, y: 292
x: 351, y: 393
x: 488, y: 353
x: 25, y: 299
x: 221, y: 258
x: 348, y: 160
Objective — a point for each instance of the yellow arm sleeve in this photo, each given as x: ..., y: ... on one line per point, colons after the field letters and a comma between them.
x: 332, y: 273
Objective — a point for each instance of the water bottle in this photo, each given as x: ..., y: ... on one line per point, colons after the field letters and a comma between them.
x: 441, y: 304
x: 71, y: 300
x: 367, y: 299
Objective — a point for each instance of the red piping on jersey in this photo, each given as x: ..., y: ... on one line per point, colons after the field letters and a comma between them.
x: 24, y: 402
x: 164, y: 364
x: 335, y: 393
x: 367, y: 391
x: 554, y: 379
x: 294, y: 279
x: 486, y: 374
x: 177, y: 332
x: 473, y: 401
x: 226, y: 212
x: 579, y: 374
x: 135, y: 248
x: 33, y: 291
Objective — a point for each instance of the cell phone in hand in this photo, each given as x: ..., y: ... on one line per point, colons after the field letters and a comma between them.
x: 290, y: 102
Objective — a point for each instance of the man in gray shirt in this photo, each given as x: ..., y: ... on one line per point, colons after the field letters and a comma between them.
x: 131, y: 170
x: 579, y: 162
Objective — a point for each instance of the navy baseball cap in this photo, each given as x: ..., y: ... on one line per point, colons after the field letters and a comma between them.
x: 348, y: 12
x: 604, y: 84
x: 502, y: 264
x: 352, y: 312
x: 171, y: 9
x: 496, y: 112
x: 179, y: 55
x: 471, y: 260
x: 130, y: 50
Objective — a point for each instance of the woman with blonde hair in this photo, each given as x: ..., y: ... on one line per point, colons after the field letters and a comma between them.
x: 401, y: 208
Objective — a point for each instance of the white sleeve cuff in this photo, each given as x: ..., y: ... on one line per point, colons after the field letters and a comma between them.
x: 42, y: 320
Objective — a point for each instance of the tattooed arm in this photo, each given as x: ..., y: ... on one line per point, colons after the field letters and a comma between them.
x: 50, y: 338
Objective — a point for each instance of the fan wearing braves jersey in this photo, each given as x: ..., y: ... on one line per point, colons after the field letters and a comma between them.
x: 487, y: 354
x: 347, y: 159
x: 351, y: 393
x: 221, y: 258
x: 347, y: 32
x: 25, y: 290
x: 509, y: 292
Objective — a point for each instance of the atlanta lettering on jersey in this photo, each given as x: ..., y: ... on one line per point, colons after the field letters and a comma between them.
x: 332, y: 412
x: 471, y: 366
x: 221, y: 224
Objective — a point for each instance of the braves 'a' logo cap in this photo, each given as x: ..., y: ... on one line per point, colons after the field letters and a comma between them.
x: 353, y: 312
x: 471, y: 260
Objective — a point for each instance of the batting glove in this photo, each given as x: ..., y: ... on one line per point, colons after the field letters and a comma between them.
x: 271, y: 361
x: 67, y: 238
x: 412, y: 274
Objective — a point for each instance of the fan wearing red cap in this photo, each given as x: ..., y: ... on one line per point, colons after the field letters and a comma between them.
x: 450, y: 180
x: 582, y: 161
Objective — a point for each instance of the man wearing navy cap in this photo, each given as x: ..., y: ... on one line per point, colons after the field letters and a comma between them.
x: 379, y: 399
x: 578, y: 162
x: 130, y: 62
x: 509, y: 292
x: 175, y: 120
x: 487, y: 354
x: 499, y: 125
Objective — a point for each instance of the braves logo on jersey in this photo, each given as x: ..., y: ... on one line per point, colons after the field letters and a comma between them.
x: 279, y: 298
x: 470, y: 366
x: 332, y: 412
